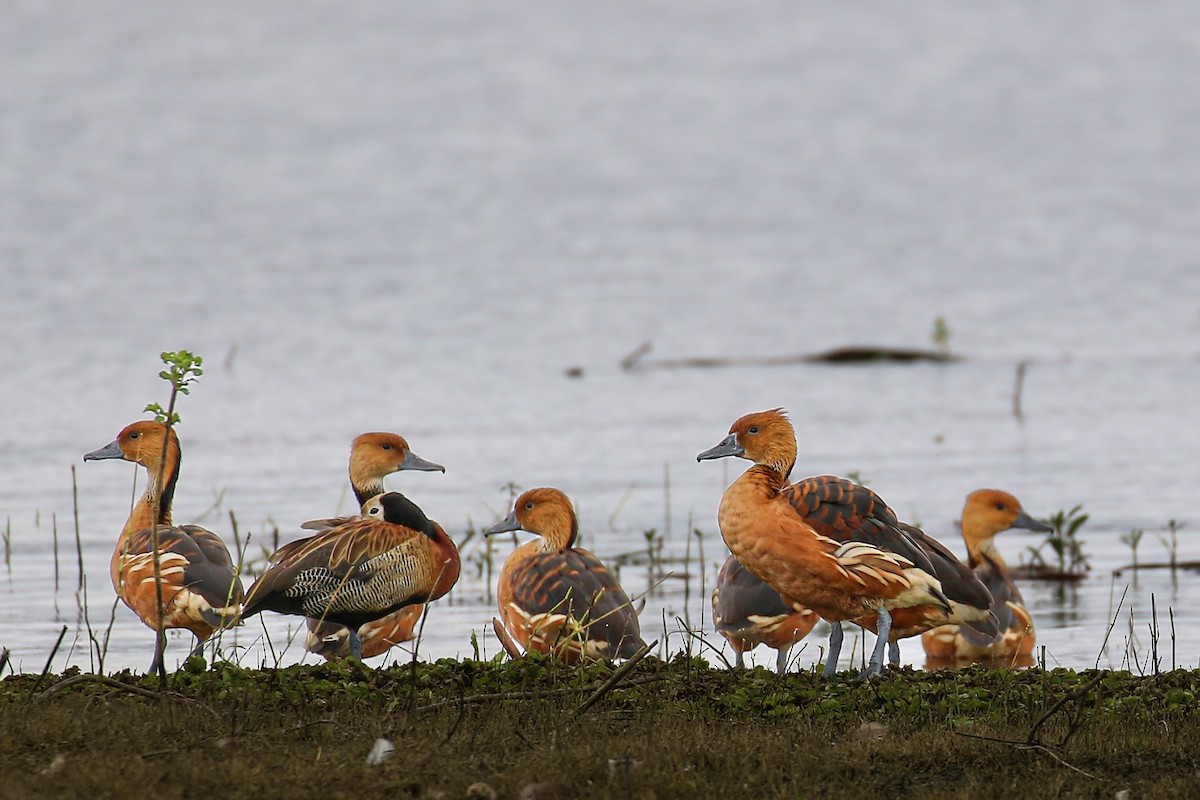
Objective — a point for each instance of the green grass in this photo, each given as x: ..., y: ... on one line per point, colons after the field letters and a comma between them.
x: 680, y: 729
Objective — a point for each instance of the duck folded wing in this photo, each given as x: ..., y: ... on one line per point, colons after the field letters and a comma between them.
x: 194, y: 567
x: 959, y: 582
x: 742, y: 594
x: 356, y: 572
x: 1006, y: 607
x: 575, y: 585
x: 848, y: 512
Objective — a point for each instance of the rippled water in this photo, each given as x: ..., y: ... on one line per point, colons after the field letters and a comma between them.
x: 420, y: 218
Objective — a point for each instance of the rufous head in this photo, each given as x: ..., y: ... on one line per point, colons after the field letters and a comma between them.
x: 990, y: 511
x: 764, y: 437
x: 377, y: 454
x: 546, y: 512
x: 140, y: 442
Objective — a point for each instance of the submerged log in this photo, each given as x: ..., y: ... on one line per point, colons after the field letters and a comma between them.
x: 850, y: 354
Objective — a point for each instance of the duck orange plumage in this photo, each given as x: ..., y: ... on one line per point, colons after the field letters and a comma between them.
x: 373, y: 456
x: 748, y: 612
x: 835, y: 507
x: 201, y: 590
x: 360, y: 570
x: 872, y: 568
x: 555, y: 597
x: 986, y: 513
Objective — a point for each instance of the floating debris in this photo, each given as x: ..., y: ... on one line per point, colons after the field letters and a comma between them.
x: 850, y: 354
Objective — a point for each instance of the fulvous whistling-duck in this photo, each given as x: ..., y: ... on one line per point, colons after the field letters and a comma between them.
x: 373, y: 456
x: 988, y: 512
x: 748, y: 612
x: 556, y: 598
x: 201, y: 590
x: 870, y: 566
x: 833, y: 505
x: 361, y: 570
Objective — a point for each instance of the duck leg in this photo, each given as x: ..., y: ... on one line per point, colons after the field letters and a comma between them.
x: 883, y: 627
x: 160, y: 646
x: 198, y: 650
x: 835, y: 650
x: 739, y: 662
x: 355, y: 643
x: 781, y: 660
x: 894, y: 653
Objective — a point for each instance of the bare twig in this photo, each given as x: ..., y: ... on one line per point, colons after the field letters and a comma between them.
x: 1019, y: 385
x: 49, y: 660
x: 616, y: 677
x: 1111, y: 625
x: 1075, y: 695
x: 1040, y: 748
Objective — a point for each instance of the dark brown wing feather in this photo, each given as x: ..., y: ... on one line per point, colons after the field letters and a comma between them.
x: 576, y: 583
x: 740, y: 594
x: 959, y: 582
x: 1002, y: 590
x: 846, y: 511
x: 350, y: 575
x: 208, y: 570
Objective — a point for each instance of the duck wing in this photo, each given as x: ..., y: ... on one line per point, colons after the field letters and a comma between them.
x: 576, y: 585
x: 849, y: 512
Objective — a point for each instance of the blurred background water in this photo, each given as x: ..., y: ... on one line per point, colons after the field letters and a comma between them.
x: 419, y: 218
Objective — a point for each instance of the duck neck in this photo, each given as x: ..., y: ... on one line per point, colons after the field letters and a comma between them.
x: 985, y: 550
x: 755, y: 487
x: 560, y: 535
x: 366, y: 486
x: 155, y: 505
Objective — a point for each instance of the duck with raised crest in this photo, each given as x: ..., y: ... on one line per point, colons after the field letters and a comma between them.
x: 986, y: 513
x: 827, y: 543
x: 200, y: 587
x: 556, y: 598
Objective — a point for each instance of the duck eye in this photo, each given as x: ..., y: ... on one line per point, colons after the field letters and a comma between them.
x: 529, y: 505
x: 753, y: 429
x: 999, y: 506
x: 386, y: 446
x: 374, y: 510
x: 134, y: 435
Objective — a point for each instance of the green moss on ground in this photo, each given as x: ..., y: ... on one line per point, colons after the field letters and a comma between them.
x: 678, y: 729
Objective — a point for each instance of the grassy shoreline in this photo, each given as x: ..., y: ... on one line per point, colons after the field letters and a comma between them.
x: 678, y: 729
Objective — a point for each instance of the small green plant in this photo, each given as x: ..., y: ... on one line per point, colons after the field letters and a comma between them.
x: 1064, y: 543
x: 1171, y: 542
x: 1133, y: 539
x: 941, y: 335
x: 654, y: 550
x: 183, y: 368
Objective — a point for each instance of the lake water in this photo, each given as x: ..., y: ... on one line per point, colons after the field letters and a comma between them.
x: 419, y: 218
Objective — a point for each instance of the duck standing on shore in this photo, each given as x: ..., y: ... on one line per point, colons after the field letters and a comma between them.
x: 197, y: 581
x: 373, y: 456
x: 748, y: 612
x: 828, y: 544
x: 556, y: 598
x: 361, y: 570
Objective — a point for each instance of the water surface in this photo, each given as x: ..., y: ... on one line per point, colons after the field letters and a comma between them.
x: 418, y: 219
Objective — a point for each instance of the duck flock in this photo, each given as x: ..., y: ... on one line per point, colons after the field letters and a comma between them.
x: 819, y: 548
